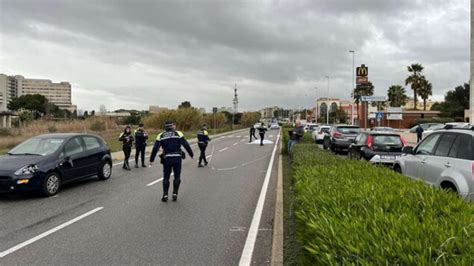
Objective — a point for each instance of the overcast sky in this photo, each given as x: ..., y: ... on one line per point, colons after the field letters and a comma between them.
x: 136, y: 53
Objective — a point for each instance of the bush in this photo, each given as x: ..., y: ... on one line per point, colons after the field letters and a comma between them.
x: 186, y: 119
x: 5, y: 132
x: 349, y: 212
x: 52, y: 129
x: 98, y: 125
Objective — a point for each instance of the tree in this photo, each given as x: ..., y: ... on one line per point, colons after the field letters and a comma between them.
x: 415, y: 79
x: 364, y: 90
x: 35, y: 103
x: 397, y: 96
x: 455, y: 102
x: 250, y: 118
x: 425, y: 91
x: 86, y: 114
x: 185, y: 104
x: 93, y: 113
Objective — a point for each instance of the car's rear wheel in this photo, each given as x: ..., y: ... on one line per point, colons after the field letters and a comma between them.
x: 51, y: 184
x: 105, y: 170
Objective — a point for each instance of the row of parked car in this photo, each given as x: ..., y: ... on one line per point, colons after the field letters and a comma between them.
x: 444, y: 158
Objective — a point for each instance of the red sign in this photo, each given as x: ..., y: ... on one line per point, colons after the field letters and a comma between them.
x: 362, y: 80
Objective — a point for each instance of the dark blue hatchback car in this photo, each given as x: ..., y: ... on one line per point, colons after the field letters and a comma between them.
x: 46, y: 162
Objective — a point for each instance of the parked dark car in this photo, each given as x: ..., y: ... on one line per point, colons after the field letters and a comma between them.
x: 44, y: 163
x: 377, y: 147
x: 340, y: 137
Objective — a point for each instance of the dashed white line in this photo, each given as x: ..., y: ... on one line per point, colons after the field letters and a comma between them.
x: 47, y: 233
x: 246, y: 258
x: 242, y: 140
x: 226, y: 148
x: 237, y: 136
x: 227, y: 169
x: 235, y: 144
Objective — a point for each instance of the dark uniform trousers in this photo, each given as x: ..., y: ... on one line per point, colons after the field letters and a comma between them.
x: 140, y: 150
x: 171, y: 164
x: 202, y: 148
x: 127, y: 150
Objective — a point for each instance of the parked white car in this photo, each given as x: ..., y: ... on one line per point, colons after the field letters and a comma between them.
x: 443, y: 126
x: 318, y: 134
x: 444, y: 159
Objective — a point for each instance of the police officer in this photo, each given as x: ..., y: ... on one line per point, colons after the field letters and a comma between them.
x: 171, y: 141
x: 261, y: 131
x: 252, y: 133
x: 127, y: 141
x: 203, y: 140
x: 140, y: 144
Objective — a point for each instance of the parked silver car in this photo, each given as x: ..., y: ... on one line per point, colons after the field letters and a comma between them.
x: 444, y: 159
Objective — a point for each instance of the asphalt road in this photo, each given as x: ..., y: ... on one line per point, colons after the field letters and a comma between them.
x: 123, y: 221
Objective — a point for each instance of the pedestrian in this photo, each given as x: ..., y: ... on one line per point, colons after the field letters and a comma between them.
x: 141, y: 137
x: 172, y: 157
x: 203, y: 140
x: 261, y: 131
x: 252, y: 133
x: 127, y: 141
x: 295, y: 135
x: 419, y: 133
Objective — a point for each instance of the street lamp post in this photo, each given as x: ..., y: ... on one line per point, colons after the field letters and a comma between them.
x: 327, y: 107
x: 353, y: 86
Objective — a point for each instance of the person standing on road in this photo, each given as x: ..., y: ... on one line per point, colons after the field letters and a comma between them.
x: 127, y: 141
x: 203, y: 140
x: 419, y: 133
x: 252, y: 133
x: 261, y: 131
x: 295, y: 135
x: 172, y: 157
x: 140, y: 144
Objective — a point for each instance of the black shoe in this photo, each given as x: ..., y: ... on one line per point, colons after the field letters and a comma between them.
x: 175, y: 197
x: 200, y: 165
x: 206, y: 163
x: 164, y: 198
x: 144, y: 165
x: 136, y: 165
x: 124, y: 167
x: 261, y: 144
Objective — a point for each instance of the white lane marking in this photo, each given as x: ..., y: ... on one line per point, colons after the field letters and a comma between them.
x: 246, y: 258
x: 154, y: 182
x: 237, y: 136
x: 212, y: 153
x: 47, y: 233
x: 271, y: 136
x: 227, y: 169
x: 235, y: 144
x: 256, y: 160
x: 226, y: 148
x: 242, y: 140
x: 208, y: 156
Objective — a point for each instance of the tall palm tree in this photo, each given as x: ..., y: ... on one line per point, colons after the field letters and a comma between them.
x: 397, y: 96
x: 425, y: 91
x: 415, y: 79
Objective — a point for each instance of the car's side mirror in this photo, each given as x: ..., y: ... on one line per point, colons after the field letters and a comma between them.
x: 407, y: 150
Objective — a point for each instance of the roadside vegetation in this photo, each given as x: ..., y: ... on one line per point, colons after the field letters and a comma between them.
x: 350, y: 212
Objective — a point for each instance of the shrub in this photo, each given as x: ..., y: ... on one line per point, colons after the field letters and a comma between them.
x: 52, y: 129
x: 350, y: 212
x: 98, y: 125
x: 4, y: 132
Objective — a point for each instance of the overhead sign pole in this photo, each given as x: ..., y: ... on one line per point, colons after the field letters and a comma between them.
x: 362, y: 79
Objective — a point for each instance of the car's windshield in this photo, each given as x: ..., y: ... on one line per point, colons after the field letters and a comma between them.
x: 390, y: 140
x: 37, y: 146
x: 348, y: 130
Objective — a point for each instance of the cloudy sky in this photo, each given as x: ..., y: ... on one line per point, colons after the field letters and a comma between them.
x: 136, y: 53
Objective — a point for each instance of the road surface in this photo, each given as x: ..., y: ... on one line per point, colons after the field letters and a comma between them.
x: 123, y: 221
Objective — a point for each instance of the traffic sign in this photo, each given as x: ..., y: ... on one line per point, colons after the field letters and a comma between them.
x: 373, y: 98
x: 379, y: 115
x: 362, y: 71
x: 214, y: 110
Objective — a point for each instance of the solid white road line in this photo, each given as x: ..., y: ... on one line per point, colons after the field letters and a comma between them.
x: 246, y: 258
x: 47, y: 233
x: 154, y: 182
x: 221, y: 150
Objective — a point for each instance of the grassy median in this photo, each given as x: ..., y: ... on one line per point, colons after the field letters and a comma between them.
x: 350, y: 212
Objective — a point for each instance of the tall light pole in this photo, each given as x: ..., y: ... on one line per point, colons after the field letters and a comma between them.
x: 327, y: 107
x: 235, y: 101
x: 353, y: 86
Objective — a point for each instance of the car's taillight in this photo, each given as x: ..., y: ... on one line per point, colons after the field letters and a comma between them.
x: 337, y: 135
x: 404, y: 142
x: 369, y: 141
x: 472, y: 171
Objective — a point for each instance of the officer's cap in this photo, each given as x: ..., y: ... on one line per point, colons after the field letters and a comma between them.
x: 141, y: 125
x: 169, y: 123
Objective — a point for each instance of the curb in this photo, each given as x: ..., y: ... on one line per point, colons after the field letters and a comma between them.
x: 277, y: 243
x: 118, y: 155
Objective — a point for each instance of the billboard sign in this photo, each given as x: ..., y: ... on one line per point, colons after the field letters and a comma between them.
x: 373, y: 98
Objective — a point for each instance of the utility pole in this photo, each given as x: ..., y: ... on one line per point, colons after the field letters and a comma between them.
x: 353, y: 86
x: 328, y: 107
x: 236, y: 105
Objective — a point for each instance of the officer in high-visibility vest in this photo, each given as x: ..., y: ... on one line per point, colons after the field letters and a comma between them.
x: 261, y: 131
x: 140, y: 144
x: 171, y: 141
x: 203, y: 140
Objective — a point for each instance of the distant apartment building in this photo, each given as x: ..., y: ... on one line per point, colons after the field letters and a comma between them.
x: 16, y: 86
x: 156, y: 109
x: 410, y: 105
x: 268, y: 112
